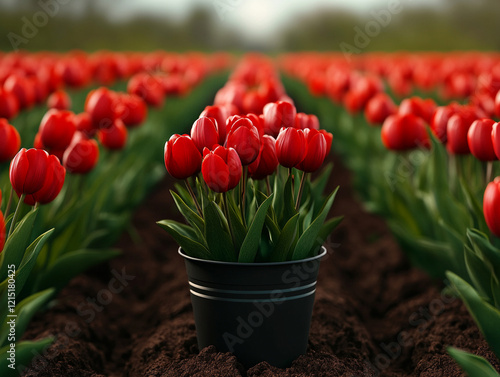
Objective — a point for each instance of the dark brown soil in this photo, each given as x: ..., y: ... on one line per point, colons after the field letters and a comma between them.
x: 374, y: 314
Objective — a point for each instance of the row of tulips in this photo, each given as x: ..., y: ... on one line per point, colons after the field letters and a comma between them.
x: 248, y: 196
x: 427, y: 168
x: 79, y: 181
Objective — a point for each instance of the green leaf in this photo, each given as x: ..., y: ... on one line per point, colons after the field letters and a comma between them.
x: 25, y: 352
x: 483, y: 246
x: 72, y: 264
x: 17, y: 243
x: 217, y: 234
x: 286, y: 240
x: 328, y: 228
x: 486, y: 316
x: 239, y: 229
x: 473, y: 365
x: 288, y: 204
x: 191, y: 216
x: 479, y: 273
x: 495, y: 290
x: 190, y: 246
x: 308, y: 239
x: 252, y: 240
x: 25, y: 310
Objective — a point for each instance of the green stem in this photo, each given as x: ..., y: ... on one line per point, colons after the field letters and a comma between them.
x: 489, y: 171
x: 268, y: 186
x: 226, y: 211
x: 191, y: 192
x: 290, y: 174
x: 9, y: 203
x: 16, y: 214
x: 301, y: 189
x: 243, y: 193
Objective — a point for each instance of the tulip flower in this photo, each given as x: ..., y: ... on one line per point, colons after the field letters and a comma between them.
x: 244, y: 138
x: 131, y: 109
x: 480, y: 140
x: 182, y: 158
x: 316, y: 151
x: 52, y: 184
x: 220, y: 115
x: 495, y: 138
x: 82, y: 154
x: 404, y: 132
x: 379, y: 107
x: 9, y: 104
x: 59, y: 100
x: 253, y: 102
x: 148, y: 87
x: 304, y: 121
x: 83, y: 123
x: 457, y: 130
x: 10, y: 141
x: 491, y: 206
x: 28, y: 170
x: 22, y: 88
x: 419, y: 107
x: 57, y: 129
x: 221, y: 169
x: 113, y: 137
x: 204, y: 133
x: 290, y: 147
x: 101, y: 106
x: 439, y: 121
x: 267, y: 161
x: 277, y: 115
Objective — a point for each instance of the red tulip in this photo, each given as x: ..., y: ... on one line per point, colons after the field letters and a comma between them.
x: 204, y: 133
x: 28, y: 170
x: 10, y: 141
x: 266, y: 162
x: 304, y: 121
x: 57, y: 129
x: 480, y: 140
x: 439, y: 121
x: 221, y: 169
x: 148, y: 87
x: 457, y: 130
x: 404, y: 132
x: 495, y: 138
x: 360, y: 92
x: 114, y: 137
x: 244, y: 138
x: 9, y: 104
x: 22, y: 88
x: 59, y: 100
x: 182, y: 158
x: 220, y: 114
x: 101, y: 106
x: 131, y: 109
x: 419, y: 107
x: 491, y: 206
x: 315, y: 151
x: 52, y: 184
x: 82, y: 154
x: 290, y: 147
x: 497, y: 104
x: 329, y: 140
x: 253, y: 102
x: 277, y: 115
x: 379, y: 107
x: 83, y: 123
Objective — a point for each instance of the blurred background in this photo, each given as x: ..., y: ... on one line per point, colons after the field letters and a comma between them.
x: 241, y: 25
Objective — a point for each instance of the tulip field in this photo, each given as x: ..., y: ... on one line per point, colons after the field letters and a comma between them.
x: 109, y: 162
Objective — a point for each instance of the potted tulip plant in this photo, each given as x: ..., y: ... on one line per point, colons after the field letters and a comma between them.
x: 255, y: 227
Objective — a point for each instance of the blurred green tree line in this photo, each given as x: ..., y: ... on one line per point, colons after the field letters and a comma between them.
x: 450, y: 25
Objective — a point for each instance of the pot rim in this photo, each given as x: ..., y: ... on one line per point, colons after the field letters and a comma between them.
x: 239, y: 264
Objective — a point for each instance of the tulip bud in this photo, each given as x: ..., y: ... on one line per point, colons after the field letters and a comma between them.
x: 204, y: 133
x: 52, y: 184
x: 220, y: 115
x: 113, y: 137
x: 290, y: 147
x: 101, y: 106
x: 419, y: 107
x: 148, y: 87
x: 22, y: 88
x: 439, y: 121
x: 221, y: 169
x: 304, y: 121
x: 244, y: 138
x: 277, y: 115
x: 10, y: 141
x: 57, y: 129
x: 82, y: 154
x: 491, y: 206
x: 131, y: 109
x: 379, y: 107
x: 315, y: 151
x: 404, y: 132
x: 457, y: 130
x: 9, y: 104
x: 266, y: 162
x: 480, y: 140
x: 182, y: 158
x: 28, y: 170
x: 59, y: 100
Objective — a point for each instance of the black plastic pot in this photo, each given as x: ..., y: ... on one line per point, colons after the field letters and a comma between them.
x: 258, y: 311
